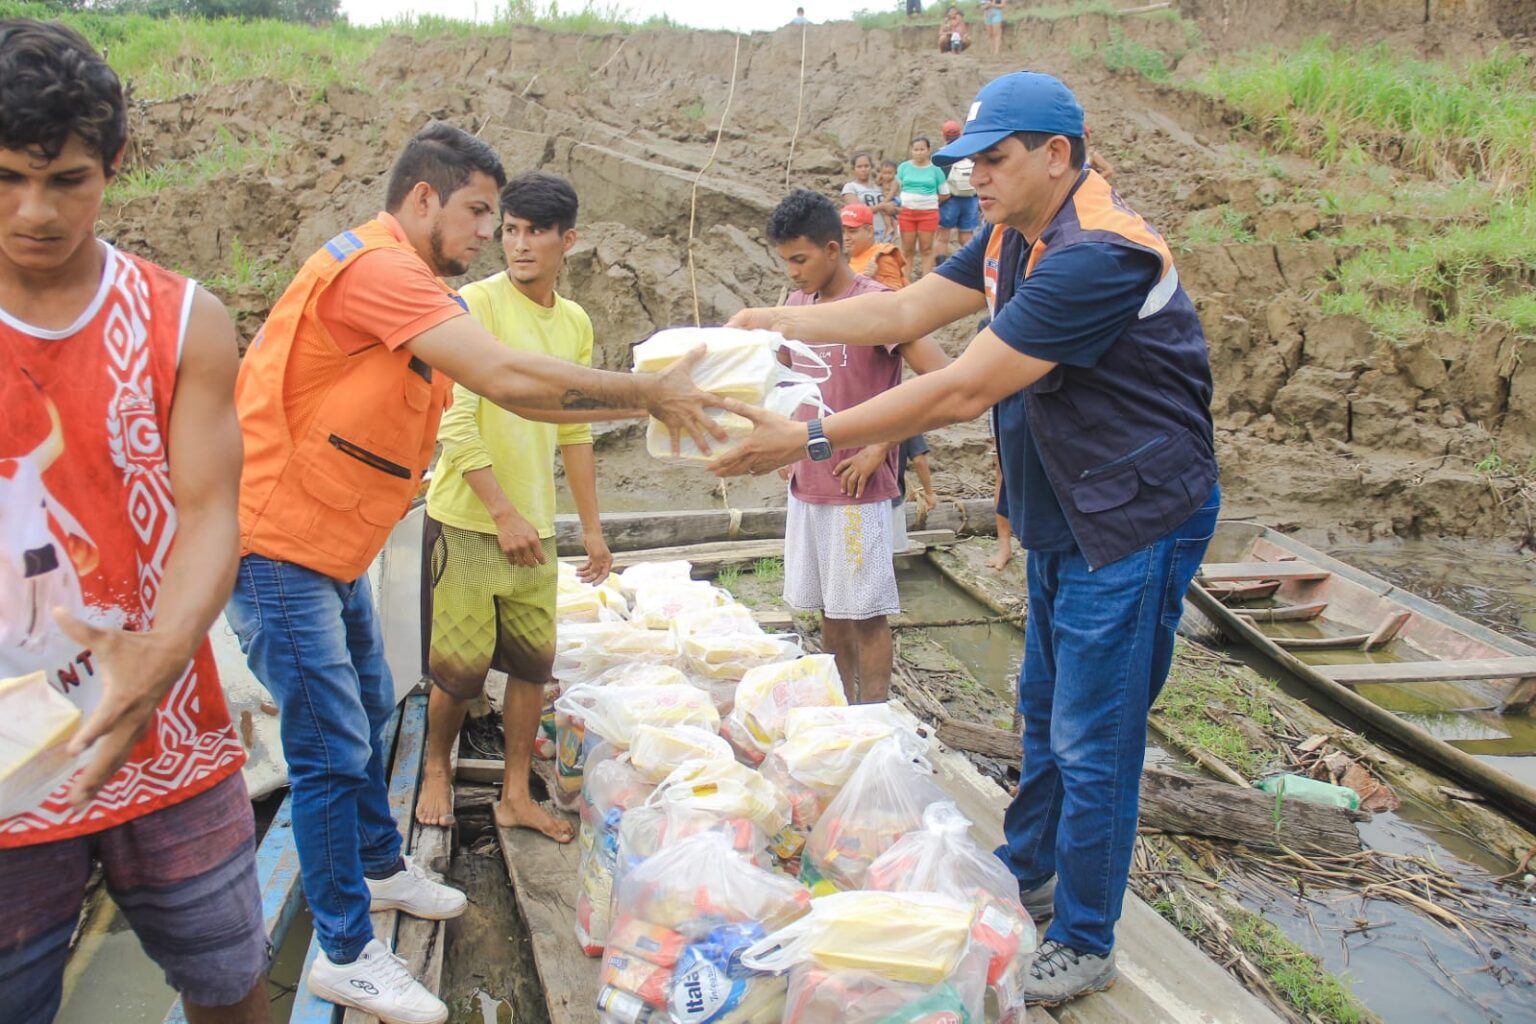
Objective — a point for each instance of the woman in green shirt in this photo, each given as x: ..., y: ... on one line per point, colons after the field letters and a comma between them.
x: 923, y: 188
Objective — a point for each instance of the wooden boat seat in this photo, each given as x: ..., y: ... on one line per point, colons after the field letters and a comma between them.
x: 1284, y: 613
x: 1430, y: 671
x: 1216, y: 572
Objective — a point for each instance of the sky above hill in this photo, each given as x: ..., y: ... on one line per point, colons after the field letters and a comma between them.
x: 697, y: 13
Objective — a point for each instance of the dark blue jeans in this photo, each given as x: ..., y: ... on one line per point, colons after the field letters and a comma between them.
x: 1098, y: 646
x: 314, y: 643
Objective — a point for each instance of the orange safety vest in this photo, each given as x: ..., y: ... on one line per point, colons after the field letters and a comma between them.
x: 890, y: 272
x: 328, y: 498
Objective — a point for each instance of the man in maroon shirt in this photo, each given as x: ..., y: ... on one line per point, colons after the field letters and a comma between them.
x: 839, y: 539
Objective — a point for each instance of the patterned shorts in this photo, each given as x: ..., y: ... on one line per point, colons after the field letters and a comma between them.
x: 185, y: 878
x: 837, y: 559
x: 486, y: 612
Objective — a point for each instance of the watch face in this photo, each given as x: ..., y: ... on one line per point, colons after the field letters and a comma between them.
x: 819, y: 450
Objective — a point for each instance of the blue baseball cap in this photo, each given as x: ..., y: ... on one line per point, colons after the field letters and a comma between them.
x: 1025, y: 101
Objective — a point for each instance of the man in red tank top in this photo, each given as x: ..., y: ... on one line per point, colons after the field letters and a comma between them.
x: 115, y: 558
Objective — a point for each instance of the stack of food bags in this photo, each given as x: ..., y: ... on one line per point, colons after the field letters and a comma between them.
x: 766, y: 695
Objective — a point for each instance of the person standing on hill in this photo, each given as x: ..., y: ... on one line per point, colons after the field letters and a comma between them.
x: 837, y: 540
x: 992, y: 18
x: 339, y: 398
x: 119, y: 474
x: 923, y: 188
x: 887, y: 214
x: 959, y: 214
x: 1097, y: 364
x: 490, y: 526
x: 880, y: 261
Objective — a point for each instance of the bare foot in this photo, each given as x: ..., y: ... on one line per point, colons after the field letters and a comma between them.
x: 524, y: 813
x: 999, y: 561
x: 434, y: 804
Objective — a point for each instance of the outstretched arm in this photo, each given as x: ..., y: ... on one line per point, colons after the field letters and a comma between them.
x: 883, y: 318
x: 205, y: 453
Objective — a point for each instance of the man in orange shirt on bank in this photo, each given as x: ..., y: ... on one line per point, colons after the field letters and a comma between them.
x: 339, y: 399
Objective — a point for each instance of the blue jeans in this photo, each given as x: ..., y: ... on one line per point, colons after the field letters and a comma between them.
x: 1098, y: 646
x: 314, y: 643
x: 963, y: 212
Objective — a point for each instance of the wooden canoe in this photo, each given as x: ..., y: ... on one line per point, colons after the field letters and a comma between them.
x: 1336, y: 627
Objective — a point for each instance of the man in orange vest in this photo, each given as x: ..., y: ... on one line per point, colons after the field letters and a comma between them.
x: 339, y: 399
x: 878, y: 261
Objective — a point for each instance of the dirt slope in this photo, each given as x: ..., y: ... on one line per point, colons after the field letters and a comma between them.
x: 1320, y: 426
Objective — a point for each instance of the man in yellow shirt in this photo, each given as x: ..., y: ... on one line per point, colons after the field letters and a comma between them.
x: 491, y: 512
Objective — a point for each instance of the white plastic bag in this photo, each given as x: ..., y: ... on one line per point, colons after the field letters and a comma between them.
x: 821, y: 748
x: 883, y: 801
x: 766, y: 694
x: 657, y: 752
x: 737, y: 364
x: 657, y: 604
x: 644, y: 573
x: 570, y: 730
x: 728, y: 790
x: 614, y: 712
x: 610, y: 787
x: 584, y: 651
x: 36, y: 723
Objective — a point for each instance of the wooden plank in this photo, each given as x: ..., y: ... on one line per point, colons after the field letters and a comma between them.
x: 1218, y: 572
x: 480, y: 769
x: 709, y: 559
x: 1188, y: 805
x: 404, y: 780
x: 1522, y: 699
x: 309, y: 1008
x: 1430, y: 671
x: 1322, y: 643
x: 1239, y: 591
x: 632, y: 531
x: 981, y: 739
x: 544, y: 879
x: 1287, y: 613
x: 1387, y: 631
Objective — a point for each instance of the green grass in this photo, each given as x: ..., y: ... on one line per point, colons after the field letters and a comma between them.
x: 1299, y: 977
x: 1191, y: 691
x: 227, y: 155
x: 249, y: 271
x: 769, y: 570
x: 1321, y: 98
x: 1218, y: 225
x: 1455, y: 269
x: 729, y: 577
x: 164, y: 57
x: 1123, y: 54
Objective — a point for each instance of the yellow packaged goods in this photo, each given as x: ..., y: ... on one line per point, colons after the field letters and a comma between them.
x: 767, y: 693
x: 737, y: 364
x: 915, y: 937
x: 727, y: 789
x: 734, y: 619
x: 656, y: 752
x: 584, y: 651
x: 591, y: 604
x: 820, y: 751
x: 883, y: 800
x: 615, y: 712
x: 571, y: 743
x: 611, y: 786
x: 36, y: 723
x: 637, y: 576
x: 730, y: 656
x: 657, y: 604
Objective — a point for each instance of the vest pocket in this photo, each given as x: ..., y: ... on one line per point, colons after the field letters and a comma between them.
x: 369, y: 458
x: 1106, y: 490
x: 1168, y: 461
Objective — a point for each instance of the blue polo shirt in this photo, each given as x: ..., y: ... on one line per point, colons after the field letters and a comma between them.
x: 1069, y: 311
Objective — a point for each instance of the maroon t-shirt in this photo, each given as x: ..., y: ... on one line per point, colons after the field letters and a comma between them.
x: 856, y: 373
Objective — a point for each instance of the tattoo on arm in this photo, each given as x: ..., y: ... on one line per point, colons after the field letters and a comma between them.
x: 575, y: 398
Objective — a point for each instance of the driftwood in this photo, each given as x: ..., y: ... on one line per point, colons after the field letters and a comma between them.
x: 633, y: 531
x: 1188, y: 805
x: 709, y: 559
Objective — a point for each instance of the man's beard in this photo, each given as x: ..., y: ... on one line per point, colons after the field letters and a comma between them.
x: 444, y: 266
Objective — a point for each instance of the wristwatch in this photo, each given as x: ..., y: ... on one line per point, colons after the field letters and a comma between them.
x: 817, y: 446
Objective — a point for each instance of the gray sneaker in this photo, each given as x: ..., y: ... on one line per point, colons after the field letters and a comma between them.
x: 1057, y: 973
x: 1041, y: 900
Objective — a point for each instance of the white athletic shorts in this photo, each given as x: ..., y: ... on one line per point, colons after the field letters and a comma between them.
x: 837, y: 559
x: 899, y: 527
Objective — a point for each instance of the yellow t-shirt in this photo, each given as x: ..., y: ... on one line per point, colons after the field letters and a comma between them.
x: 476, y: 433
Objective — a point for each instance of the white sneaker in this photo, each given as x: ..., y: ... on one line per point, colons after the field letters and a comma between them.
x: 377, y: 982
x: 412, y: 892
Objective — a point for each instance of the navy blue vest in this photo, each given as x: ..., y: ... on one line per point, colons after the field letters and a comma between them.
x: 1126, y: 444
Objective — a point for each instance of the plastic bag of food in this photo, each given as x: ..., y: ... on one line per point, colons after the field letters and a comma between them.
x: 644, y: 830
x: 730, y: 656
x: 916, y: 937
x: 700, y: 883
x: 821, y: 748
x: 645, y: 573
x: 728, y: 790
x: 818, y: 995
x: 651, y: 973
x: 584, y: 651
x: 571, y: 745
x: 737, y: 364
x: 610, y: 787
x: 940, y: 857
x: 568, y: 582
x: 656, y: 752
x: 590, y: 604
x: 657, y: 604
x: 766, y: 694
x: 615, y: 712
x: 883, y: 800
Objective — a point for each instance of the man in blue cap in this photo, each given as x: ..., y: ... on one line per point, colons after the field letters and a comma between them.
x: 1097, y: 366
